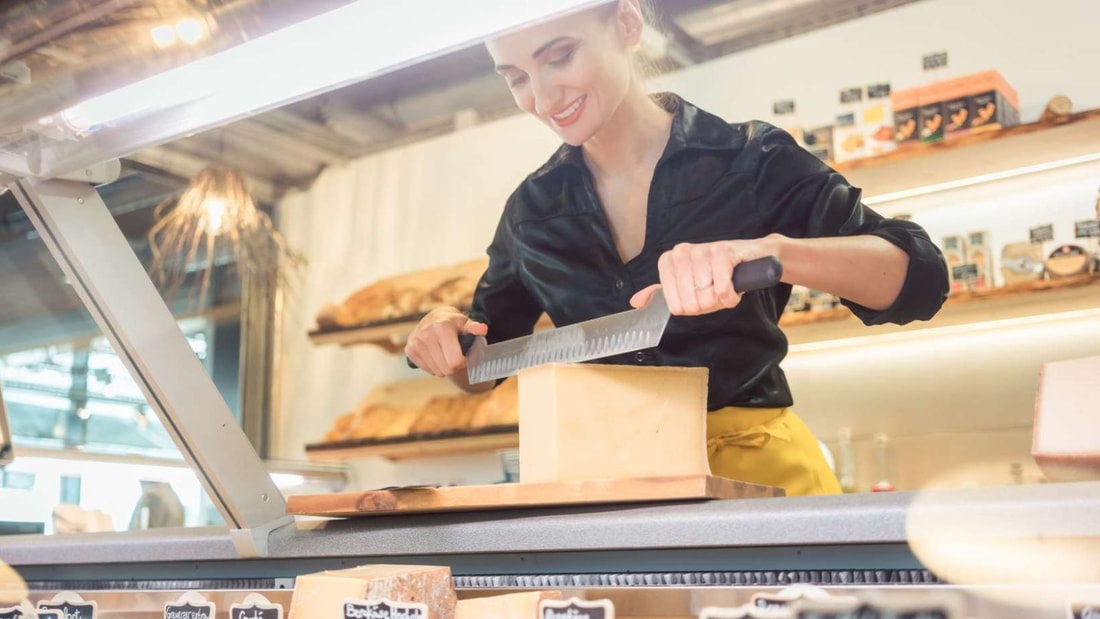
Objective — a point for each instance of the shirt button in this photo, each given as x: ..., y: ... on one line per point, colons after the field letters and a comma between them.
x: 619, y: 285
x: 639, y: 356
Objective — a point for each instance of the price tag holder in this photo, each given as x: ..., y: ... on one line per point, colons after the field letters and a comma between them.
x: 255, y: 606
x: 576, y: 609
x: 965, y: 272
x: 17, y: 612
x: 68, y: 606
x: 1088, y: 228
x: 935, y: 60
x: 190, y: 605
x: 783, y: 107
x: 384, y: 609
x: 1041, y: 234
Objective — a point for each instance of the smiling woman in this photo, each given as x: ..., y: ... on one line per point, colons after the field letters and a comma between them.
x: 650, y: 194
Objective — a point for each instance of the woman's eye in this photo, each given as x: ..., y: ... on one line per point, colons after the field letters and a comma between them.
x: 516, y: 80
x: 562, y: 59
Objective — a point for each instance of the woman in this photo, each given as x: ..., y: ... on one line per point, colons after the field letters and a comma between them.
x: 652, y: 191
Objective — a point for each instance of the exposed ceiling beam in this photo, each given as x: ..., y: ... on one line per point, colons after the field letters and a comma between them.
x: 186, y: 165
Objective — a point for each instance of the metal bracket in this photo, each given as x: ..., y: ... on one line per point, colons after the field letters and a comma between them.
x: 96, y: 259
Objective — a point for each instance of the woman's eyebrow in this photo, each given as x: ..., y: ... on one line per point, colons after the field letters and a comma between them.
x: 538, y: 52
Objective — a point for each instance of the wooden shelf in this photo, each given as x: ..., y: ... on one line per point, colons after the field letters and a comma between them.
x: 415, y: 447
x: 928, y: 165
x: 1031, y: 299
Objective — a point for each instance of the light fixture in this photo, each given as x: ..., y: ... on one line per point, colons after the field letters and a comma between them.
x: 340, y: 47
x: 163, y: 36
x: 216, y: 217
x: 190, y: 30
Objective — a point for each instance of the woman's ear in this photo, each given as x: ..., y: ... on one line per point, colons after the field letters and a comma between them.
x: 629, y: 22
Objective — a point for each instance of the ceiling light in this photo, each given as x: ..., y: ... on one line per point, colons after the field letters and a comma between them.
x: 163, y: 36
x: 190, y: 30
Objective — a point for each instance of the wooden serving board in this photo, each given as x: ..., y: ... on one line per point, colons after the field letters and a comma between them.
x: 526, y: 496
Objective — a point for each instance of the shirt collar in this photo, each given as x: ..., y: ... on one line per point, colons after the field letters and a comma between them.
x: 692, y: 128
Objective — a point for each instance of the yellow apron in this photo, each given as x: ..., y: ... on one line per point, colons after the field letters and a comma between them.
x: 769, y: 446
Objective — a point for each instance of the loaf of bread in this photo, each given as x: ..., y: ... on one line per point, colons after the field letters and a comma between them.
x: 406, y: 295
x: 426, y: 406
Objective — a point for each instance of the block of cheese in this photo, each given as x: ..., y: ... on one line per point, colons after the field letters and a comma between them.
x: 322, y: 595
x: 509, y: 606
x: 1066, y: 435
x: 589, y: 421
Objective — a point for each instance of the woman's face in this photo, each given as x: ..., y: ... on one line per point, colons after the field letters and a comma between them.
x: 571, y: 73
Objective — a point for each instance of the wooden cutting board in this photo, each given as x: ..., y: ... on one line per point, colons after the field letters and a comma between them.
x: 527, y: 496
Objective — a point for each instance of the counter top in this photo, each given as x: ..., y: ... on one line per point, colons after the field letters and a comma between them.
x: 1044, y: 511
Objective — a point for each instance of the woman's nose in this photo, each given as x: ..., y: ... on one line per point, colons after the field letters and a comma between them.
x: 547, y: 96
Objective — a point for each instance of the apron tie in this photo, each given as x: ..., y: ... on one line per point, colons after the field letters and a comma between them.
x: 756, y: 436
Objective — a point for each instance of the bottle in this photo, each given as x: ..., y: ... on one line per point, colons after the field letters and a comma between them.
x: 882, y: 444
x: 846, y: 462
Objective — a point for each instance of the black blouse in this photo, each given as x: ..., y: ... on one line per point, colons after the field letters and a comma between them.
x: 553, y: 251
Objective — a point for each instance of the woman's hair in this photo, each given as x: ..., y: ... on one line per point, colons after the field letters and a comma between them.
x: 644, y: 66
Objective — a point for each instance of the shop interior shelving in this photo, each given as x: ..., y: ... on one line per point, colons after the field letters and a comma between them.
x: 912, y: 170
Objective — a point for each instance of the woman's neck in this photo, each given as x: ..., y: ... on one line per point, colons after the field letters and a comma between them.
x: 634, y: 137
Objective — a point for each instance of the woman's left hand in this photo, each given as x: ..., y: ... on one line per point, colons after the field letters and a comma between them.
x: 697, y: 278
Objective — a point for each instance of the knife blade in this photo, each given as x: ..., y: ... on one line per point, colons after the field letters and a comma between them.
x: 623, y: 332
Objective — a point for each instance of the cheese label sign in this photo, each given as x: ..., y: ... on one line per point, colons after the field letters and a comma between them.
x: 187, y: 610
x: 256, y: 606
x: 49, y: 614
x: 576, y: 609
x: 69, y: 606
x: 964, y: 272
x: 13, y: 612
x: 384, y: 609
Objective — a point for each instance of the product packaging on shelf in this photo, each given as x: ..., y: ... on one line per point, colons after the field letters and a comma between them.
x: 878, y: 120
x: 930, y: 117
x: 906, y: 109
x: 849, y: 141
x: 956, y: 106
x: 980, y: 254
x: 994, y: 104
x: 954, y: 254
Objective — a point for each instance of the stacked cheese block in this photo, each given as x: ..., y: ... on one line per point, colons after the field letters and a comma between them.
x: 325, y: 595
x: 424, y: 407
x: 406, y: 295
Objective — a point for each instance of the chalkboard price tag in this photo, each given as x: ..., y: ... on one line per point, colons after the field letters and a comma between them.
x: 1040, y: 234
x: 964, y: 272
x: 12, y: 612
x: 935, y: 60
x: 191, y: 605
x: 49, y: 614
x: 576, y: 609
x: 1087, y: 228
x: 781, y: 108
x: 384, y: 609
x: 69, y: 606
x: 851, y: 95
x: 256, y: 606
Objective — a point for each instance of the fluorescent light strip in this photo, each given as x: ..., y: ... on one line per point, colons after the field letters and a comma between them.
x: 978, y: 180
x: 343, y: 46
x: 934, y: 332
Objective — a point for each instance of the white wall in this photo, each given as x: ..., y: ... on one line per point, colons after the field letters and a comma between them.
x: 438, y: 201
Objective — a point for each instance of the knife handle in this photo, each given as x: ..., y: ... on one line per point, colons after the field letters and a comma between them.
x: 465, y: 341
x: 757, y: 274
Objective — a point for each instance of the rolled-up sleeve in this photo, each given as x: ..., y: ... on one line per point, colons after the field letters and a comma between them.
x: 501, y: 299
x: 805, y: 198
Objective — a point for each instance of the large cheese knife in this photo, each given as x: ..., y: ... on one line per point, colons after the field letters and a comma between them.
x: 600, y: 337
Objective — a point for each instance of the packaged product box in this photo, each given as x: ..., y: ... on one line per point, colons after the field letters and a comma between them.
x: 849, y: 141
x: 930, y: 118
x: 956, y: 105
x: 955, y: 256
x: 878, y: 120
x: 980, y: 253
x: 819, y: 142
x: 906, y: 112
x: 994, y: 104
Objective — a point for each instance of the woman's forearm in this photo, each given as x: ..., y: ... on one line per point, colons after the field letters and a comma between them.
x: 865, y: 269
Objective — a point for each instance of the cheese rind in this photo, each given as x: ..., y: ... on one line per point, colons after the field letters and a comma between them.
x: 589, y: 421
x: 322, y: 595
x: 509, y: 606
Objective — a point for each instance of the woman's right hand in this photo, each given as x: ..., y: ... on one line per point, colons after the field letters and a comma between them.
x: 433, y: 344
